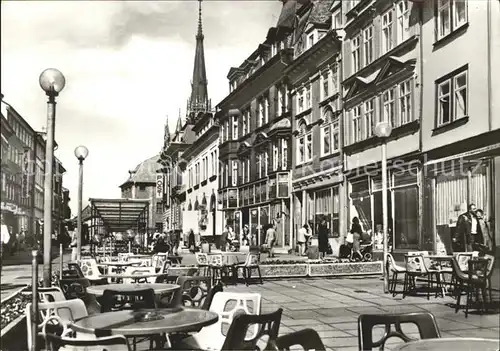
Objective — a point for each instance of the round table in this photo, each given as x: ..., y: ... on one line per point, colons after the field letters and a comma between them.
x: 131, y: 323
x: 451, y: 344
x: 98, y: 290
x: 116, y: 264
x: 139, y: 256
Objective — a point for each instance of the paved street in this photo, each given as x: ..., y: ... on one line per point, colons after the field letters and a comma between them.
x: 331, y: 306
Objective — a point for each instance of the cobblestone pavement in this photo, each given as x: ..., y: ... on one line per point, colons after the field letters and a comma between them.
x: 331, y: 306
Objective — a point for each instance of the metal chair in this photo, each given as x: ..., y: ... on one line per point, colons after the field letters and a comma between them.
x: 111, y: 343
x: 425, y: 322
x: 308, y: 339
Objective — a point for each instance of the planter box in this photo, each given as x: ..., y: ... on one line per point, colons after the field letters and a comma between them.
x: 344, y: 269
x: 283, y: 270
x: 14, y: 334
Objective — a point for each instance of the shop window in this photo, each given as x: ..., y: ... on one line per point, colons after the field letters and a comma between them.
x: 406, y: 218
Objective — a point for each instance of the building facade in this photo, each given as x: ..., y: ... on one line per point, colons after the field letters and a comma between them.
x: 314, y: 75
x: 460, y: 119
x: 23, y: 176
x: 142, y: 184
x: 255, y: 141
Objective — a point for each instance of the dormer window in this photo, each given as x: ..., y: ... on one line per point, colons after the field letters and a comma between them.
x: 311, y: 39
x: 337, y: 20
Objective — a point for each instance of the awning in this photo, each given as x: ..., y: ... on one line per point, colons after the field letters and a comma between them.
x: 119, y: 215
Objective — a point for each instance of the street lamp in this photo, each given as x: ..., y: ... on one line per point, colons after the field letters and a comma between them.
x: 52, y: 81
x: 383, y: 131
x: 81, y: 153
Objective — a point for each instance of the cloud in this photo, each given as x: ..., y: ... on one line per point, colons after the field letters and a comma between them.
x: 128, y: 66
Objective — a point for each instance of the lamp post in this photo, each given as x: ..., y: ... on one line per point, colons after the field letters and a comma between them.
x: 81, y: 153
x: 52, y: 81
x: 383, y: 131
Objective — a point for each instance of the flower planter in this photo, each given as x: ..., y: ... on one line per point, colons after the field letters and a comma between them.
x: 13, y: 322
x: 283, y: 270
x: 344, y: 269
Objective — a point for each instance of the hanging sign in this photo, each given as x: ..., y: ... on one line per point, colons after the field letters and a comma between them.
x: 25, y: 179
x: 159, y: 186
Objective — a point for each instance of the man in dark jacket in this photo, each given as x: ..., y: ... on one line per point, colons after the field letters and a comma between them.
x: 466, y: 231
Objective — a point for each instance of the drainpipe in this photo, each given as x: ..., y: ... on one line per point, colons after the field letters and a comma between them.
x: 490, y: 100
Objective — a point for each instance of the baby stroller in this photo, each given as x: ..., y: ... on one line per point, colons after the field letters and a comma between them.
x: 365, y: 253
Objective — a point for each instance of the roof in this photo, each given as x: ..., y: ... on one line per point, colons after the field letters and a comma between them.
x: 145, y: 172
x: 119, y: 215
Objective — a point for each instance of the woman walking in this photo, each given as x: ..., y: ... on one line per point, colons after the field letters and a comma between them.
x: 323, y: 238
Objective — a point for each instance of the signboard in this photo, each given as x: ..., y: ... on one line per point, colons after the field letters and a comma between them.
x: 159, y: 186
x: 25, y: 180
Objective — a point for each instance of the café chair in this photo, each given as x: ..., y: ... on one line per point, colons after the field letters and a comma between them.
x: 308, y: 339
x: 396, y: 270
x: 202, y: 262
x: 193, y: 290
x: 52, y: 294
x: 66, y: 311
x: 108, y: 343
x: 267, y: 326
x: 425, y: 322
x: 139, y: 271
x: 251, y: 263
x: 227, y: 305
x: 76, y: 267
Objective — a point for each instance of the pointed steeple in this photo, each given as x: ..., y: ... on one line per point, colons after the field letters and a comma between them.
x: 178, y: 128
x: 199, y: 102
x: 166, y: 137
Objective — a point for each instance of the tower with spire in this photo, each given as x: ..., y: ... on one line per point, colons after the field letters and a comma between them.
x: 166, y: 135
x: 199, y: 101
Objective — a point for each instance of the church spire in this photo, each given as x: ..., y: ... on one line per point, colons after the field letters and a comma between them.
x: 166, y: 137
x: 199, y: 102
x: 179, y: 123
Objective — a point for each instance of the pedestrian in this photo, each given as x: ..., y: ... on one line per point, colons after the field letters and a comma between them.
x: 301, y: 239
x: 323, y: 238
x: 467, y: 228
x: 484, y: 231
x: 191, y: 241
x: 308, y: 238
x: 270, y: 239
x: 356, y: 231
x: 74, y: 246
x: 245, y: 240
x: 161, y: 245
x: 224, y: 238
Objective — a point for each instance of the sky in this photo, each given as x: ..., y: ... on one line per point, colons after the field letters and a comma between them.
x: 128, y: 65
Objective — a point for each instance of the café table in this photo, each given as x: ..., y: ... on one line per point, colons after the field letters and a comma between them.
x: 450, y: 344
x: 139, y: 256
x: 146, y: 321
x: 159, y: 288
x: 135, y: 277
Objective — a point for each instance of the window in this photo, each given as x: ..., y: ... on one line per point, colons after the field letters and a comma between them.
x: 159, y: 207
x: 389, y: 113
x: 329, y: 134
x: 310, y: 40
x: 451, y: 14
x: 405, y: 104
x: 308, y: 96
x: 300, y: 100
x: 452, y: 98
x: 226, y: 174
x: 334, y: 79
x: 262, y: 161
x: 266, y: 110
x: 326, y: 139
x: 234, y: 175
x: 355, y: 50
x: 387, y: 31
x: 356, y: 124
x: 276, y: 155
x: 197, y: 172
x: 325, y: 85
x: 244, y: 122
x: 336, y: 20
x: 248, y: 169
x: 282, y: 100
x: 235, y: 128
x: 369, y: 118
x: 265, y: 164
x: 284, y: 153
x: 403, y: 21
x: 279, y: 108
x: 308, y: 147
x: 206, y: 168
x: 368, y: 45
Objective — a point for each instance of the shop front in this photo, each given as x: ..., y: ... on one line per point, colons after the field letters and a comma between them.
x: 318, y: 201
x: 403, y: 211
x: 451, y: 184
x: 257, y: 205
